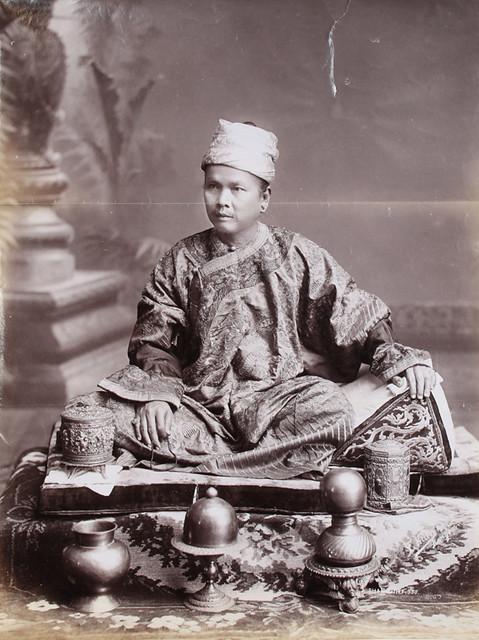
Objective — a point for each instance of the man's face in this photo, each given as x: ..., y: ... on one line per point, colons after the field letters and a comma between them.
x: 234, y: 199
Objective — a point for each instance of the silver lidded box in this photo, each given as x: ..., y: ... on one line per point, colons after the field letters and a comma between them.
x: 86, y: 436
x: 386, y: 473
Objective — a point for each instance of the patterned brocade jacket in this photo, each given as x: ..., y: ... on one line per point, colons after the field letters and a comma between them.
x: 218, y: 325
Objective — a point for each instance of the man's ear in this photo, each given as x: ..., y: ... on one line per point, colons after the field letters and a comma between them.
x: 266, y: 196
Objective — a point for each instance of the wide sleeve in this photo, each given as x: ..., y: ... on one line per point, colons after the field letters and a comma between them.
x: 345, y: 324
x: 154, y: 350
x: 388, y: 358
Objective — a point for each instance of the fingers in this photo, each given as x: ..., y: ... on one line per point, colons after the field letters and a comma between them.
x: 144, y: 427
x: 411, y: 380
x: 163, y: 420
x: 167, y: 422
x: 153, y: 423
x: 154, y: 427
x: 136, y: 425
x: 429, y: 381
x: 421, y: 380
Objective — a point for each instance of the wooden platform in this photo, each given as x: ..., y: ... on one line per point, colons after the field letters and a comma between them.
x: 139, y: 489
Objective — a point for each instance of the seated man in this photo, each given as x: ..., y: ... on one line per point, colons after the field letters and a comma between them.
x: 245, y: 334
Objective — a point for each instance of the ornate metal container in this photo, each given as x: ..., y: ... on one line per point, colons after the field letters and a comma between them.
x: 387, y: 474
x: 210, y: 522
x: 345, y: 542
x: 210, y: 529
x: 86, y: 436
x: 344, y: 560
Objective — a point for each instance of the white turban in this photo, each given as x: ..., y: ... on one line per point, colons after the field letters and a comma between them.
x: 245, y: 147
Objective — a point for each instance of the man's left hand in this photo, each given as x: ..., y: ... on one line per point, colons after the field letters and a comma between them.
x: 421, y: 379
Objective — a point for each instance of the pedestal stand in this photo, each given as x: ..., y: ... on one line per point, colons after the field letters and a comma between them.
x: 344, y: 584
x: 344, y: 562
x: 210, y: 598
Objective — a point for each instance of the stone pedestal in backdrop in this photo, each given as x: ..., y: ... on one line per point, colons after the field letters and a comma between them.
x: 64, y: 329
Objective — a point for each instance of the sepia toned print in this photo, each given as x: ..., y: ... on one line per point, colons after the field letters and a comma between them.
x: 208, y: 160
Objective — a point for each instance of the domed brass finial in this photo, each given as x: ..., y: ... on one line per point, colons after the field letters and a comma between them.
x: 210, y: 522
x: 210, y: 529
x: 343, y: 563
x: 343, y: 491
x: 345, y: 542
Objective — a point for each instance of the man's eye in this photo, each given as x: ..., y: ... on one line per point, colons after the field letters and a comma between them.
x: 238, y: 188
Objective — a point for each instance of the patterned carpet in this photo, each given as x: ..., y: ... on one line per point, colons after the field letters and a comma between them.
x: 286, y: 617
x: 428, y: 584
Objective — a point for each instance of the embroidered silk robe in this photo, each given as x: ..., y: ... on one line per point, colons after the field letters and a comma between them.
x: 248, y: 347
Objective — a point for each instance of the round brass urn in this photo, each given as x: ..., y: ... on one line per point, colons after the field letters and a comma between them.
x: 95, y: 563
x: 345, y: 542
x: 343, y: 563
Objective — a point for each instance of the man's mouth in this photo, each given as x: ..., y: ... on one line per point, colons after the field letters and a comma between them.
x: 222, y: 215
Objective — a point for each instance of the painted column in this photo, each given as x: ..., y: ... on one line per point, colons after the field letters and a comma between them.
x: 64, y: 328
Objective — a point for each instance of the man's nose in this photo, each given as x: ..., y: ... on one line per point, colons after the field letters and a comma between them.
x: 224, y: 198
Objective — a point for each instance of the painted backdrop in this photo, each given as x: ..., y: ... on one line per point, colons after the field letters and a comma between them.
x: 374, y: 103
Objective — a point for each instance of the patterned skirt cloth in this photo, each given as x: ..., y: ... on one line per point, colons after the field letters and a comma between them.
x: 313, y: 424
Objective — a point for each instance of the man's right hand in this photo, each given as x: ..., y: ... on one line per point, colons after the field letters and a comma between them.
x: 153, y: 422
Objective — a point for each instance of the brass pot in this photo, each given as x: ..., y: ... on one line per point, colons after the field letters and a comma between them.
x: 94, y: 564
